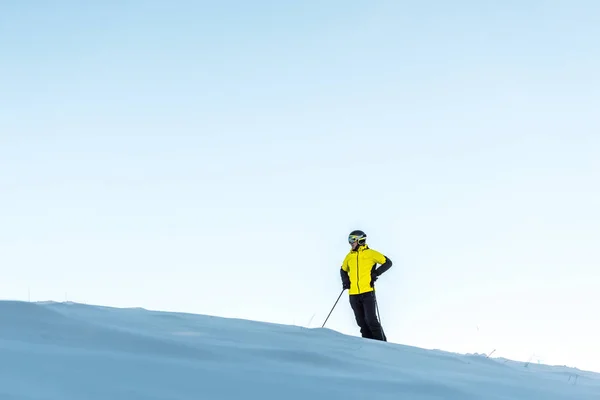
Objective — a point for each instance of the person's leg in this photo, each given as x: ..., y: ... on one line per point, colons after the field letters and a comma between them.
x: 370, y: 316
x: 356, y: 302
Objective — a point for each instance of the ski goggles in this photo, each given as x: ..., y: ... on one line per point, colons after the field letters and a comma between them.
x: 354, y: 238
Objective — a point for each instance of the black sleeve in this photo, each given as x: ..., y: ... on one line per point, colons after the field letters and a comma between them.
x: 384, y: 267
x: 345, y: 277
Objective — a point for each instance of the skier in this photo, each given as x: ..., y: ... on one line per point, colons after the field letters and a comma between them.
x: 359, y: 274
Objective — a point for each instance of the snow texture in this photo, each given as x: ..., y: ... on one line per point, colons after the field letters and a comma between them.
x: 64, y: 351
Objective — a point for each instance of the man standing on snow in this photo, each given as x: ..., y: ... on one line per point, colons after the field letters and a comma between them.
x: 359, y: 274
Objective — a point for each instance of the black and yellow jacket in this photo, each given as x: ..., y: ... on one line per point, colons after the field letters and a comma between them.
x: 359, y: 269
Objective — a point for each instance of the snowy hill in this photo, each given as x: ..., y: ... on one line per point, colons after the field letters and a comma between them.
x: 58, y: 351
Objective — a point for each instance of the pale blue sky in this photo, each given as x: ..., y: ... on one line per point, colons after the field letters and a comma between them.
x: 212, y: 158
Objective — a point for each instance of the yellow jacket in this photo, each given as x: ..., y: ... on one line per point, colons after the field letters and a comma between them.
x: 359, y: 269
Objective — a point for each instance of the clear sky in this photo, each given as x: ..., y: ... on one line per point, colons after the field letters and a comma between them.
x: 212, y: 157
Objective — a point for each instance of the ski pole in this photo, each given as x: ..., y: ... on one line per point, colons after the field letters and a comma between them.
x: 379, y: 318
x: 335, y: 304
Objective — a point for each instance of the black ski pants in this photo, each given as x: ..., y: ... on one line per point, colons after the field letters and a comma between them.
x: 365, y: 311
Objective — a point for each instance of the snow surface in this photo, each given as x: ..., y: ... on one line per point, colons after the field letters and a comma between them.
x: 63, y: 351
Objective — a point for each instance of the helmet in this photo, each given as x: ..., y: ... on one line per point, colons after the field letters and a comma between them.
x: 357, y: 236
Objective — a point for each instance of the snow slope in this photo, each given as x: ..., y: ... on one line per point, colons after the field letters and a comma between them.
x: 63, y: 351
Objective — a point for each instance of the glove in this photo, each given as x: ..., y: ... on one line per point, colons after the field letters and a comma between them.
x: 374, y: 276
x: 346, y: 285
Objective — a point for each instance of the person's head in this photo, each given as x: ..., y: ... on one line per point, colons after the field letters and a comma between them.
x: 357, y: 238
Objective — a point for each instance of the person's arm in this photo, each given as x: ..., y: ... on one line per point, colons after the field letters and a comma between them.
x: 385, y: 262
x: 344, y: 274
x: 345, y: 279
